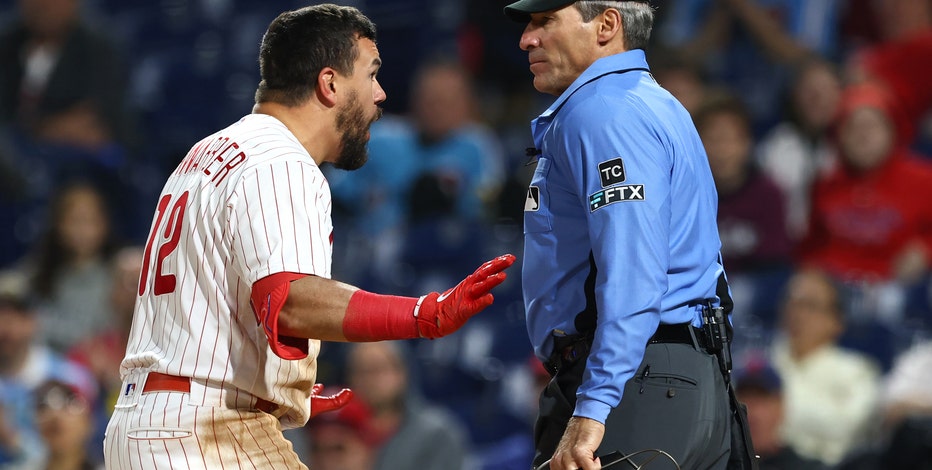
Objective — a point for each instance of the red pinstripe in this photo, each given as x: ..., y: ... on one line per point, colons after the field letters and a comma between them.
x: 294, y: 230
x: 197, y: 436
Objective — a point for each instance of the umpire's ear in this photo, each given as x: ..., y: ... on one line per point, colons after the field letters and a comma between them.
x: 610, y: 26
x: 326, y: 88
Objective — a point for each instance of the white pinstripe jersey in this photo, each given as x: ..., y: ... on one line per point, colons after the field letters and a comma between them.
x: 246, y: 202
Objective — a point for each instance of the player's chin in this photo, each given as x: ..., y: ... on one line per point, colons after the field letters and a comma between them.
x: 352, y: 162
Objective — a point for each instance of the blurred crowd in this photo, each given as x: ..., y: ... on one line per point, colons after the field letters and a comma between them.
x: 816, y: 116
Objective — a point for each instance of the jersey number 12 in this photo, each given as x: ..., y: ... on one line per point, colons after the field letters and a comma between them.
x: 171, y: 235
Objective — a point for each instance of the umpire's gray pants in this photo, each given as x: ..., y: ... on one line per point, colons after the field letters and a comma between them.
x: 680, y: 406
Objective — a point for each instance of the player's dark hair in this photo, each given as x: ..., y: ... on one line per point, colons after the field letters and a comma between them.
x: 637, y: 18
x: 300, y: 43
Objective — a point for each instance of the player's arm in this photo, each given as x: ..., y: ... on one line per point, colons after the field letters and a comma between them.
x: 315, y: 308
x: 292, y: 306
x: 302, y: 306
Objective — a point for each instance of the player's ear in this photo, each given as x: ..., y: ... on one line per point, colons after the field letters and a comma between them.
x: 326, y: 86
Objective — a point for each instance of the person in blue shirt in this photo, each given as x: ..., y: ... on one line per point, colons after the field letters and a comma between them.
x: 621, y: 262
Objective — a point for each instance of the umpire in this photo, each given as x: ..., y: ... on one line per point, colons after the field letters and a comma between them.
x: 624, y: 289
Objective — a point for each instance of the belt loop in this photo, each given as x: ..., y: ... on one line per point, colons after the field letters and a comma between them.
x: 697, y: 344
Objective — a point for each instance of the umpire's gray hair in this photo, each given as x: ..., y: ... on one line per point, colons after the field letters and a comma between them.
x: 637, y: 18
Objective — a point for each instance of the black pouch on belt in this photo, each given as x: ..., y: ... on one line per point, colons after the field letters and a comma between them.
x: 742, y: 456
x: 567, y: 350
x: 718, y: 332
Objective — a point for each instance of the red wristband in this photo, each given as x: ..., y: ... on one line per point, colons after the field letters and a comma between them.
x: 376, y: 317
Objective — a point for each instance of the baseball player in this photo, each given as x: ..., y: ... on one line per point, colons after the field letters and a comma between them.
x: 234, y: 293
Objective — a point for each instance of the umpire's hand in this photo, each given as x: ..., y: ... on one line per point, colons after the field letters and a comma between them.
x: 576, y: 450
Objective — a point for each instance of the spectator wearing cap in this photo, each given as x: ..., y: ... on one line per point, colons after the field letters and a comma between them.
x: 830, y: 393
x: 344, y: 439
x: 65, y: 422
x: 759, y: 387
x: 25, y: 363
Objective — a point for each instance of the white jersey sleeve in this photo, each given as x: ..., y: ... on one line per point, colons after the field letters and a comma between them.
x: 281, y: 220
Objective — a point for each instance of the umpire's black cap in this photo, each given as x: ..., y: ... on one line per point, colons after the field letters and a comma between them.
x: 521, y: 10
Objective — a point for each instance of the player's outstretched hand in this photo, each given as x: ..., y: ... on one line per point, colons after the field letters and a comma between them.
x: 324, y: 403
x: 441, y: 314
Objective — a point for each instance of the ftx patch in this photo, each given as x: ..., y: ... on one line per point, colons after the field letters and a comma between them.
x: 628, y: 192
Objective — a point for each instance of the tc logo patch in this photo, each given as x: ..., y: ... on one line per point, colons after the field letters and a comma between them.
x: 532, y: 203
x: 612, y: 172
x: 628, y: 192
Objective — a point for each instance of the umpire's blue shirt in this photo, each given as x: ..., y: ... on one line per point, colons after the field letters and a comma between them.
x: 620, y: 217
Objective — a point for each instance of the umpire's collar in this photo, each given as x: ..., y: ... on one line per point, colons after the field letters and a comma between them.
x: 634, y: 59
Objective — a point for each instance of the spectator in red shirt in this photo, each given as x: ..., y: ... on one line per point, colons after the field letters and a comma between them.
x: 871, y: 219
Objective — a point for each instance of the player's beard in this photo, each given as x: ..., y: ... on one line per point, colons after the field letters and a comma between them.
x: 354, y: 134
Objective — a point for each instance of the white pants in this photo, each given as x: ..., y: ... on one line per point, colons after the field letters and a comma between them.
x: 162, y: 430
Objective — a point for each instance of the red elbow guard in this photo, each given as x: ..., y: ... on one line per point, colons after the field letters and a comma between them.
x: 268, y: 297
x: 376, y: 317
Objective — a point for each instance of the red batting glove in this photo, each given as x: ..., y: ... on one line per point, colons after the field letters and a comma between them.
x: 324, y: 403
x: 441, y: 314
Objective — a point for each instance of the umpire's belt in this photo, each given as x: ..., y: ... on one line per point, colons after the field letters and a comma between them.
x: 569, y: 349
x: 683, y: 333
x: 158, y: 382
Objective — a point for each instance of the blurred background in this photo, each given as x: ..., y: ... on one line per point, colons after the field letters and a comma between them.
x: 815, y: 115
